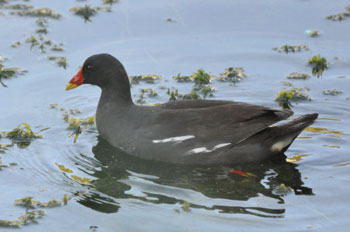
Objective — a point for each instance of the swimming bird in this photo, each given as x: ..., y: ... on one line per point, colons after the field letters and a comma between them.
x: 191, y: 132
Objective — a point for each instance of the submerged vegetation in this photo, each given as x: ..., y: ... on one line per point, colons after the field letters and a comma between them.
x: 319, y: 64
x: 285, y: 97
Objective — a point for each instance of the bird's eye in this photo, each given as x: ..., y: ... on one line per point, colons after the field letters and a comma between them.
x: 89, y: 66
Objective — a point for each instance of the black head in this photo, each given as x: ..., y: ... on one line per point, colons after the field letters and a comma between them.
x: 104, y: 70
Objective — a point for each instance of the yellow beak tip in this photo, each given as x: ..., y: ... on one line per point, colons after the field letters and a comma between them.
x: 71, y: 86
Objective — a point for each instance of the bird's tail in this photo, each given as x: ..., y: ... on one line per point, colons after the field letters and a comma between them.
x: 283, y: 135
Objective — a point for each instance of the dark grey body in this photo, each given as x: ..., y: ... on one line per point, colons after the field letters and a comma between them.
x: 200, y: 132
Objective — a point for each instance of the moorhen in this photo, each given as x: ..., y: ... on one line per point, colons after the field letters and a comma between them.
x: 192, y: 132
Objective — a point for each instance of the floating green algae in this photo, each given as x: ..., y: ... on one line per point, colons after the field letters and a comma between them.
x: 313, y: 33
x: 186, y: 206
x: 22, y: 135
x: 110, y: 1
x: 292, y: 48
x: 342, y: 165
x: 287, y: 83
x: 145, y: 92
x: 298, y: 76
x: 296, y: 158
x: 151, y: 79
x: 205, y: 90
x: 87, y: 11
x: 61, y: 61
x: 42, y: 12
x: 233, y: 74
x: 16, y: 44
x: 8, y: 223
x: 57, y: 48
x: 285, y: 97
x: 149, y: 92
x: 32, y: 214
x: 320, y: 130
x: 181, y: 78
x: 282, y: 190
x: 319, y: 64
x: 8, y: 73
x: 340, y: 16
x: 42, y: 22
x: 41, y: 30
x: 174, y: 94
x: 191, y: 95
x: 201, y: 77
x: 78, y: 125
x: 19, y: 7
x: 332, y: 92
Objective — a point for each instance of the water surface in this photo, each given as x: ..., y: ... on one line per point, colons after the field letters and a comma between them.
x: 116, y: 192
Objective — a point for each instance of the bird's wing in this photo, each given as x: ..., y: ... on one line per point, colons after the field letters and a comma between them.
x: 229, y: 122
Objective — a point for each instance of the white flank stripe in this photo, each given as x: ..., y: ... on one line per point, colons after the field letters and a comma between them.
x: 205, y: 150
x: 174, y: 139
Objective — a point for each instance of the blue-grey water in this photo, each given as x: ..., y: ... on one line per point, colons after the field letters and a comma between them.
x: 111, y: 191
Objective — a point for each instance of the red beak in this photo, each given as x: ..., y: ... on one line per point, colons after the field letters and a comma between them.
x: 77, y: 80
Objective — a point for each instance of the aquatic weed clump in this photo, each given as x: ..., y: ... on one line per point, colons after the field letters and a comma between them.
x: 174, y: 94
x: 32, y: 214
x: 298, y: 76
x: 313, y: 33
x: 61, y: 61
x: 338, y: 17
x: 181, y: 78
x: 111, y: 2
x: 201, y: 85
x: 150, y: 79
x: 76, y: 124
x: 19, y: 7
x: 22, y: 135
x: 191, y: 95
x: 42, y: 12
x: 201, y: 77
x: 341, y: 16
x: 87, y: 11
x: 332, y: 92
x: 285, y: 97
x: 292, y: 48
x: 233, y: 74
x: 146, y: 92
x: 319, y: 64
x: 8, y: 73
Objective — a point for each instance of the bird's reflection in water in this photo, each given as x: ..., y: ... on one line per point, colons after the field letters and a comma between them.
x: 121, y: 176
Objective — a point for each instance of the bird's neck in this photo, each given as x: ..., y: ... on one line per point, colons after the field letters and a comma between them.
x: 117, y: 94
